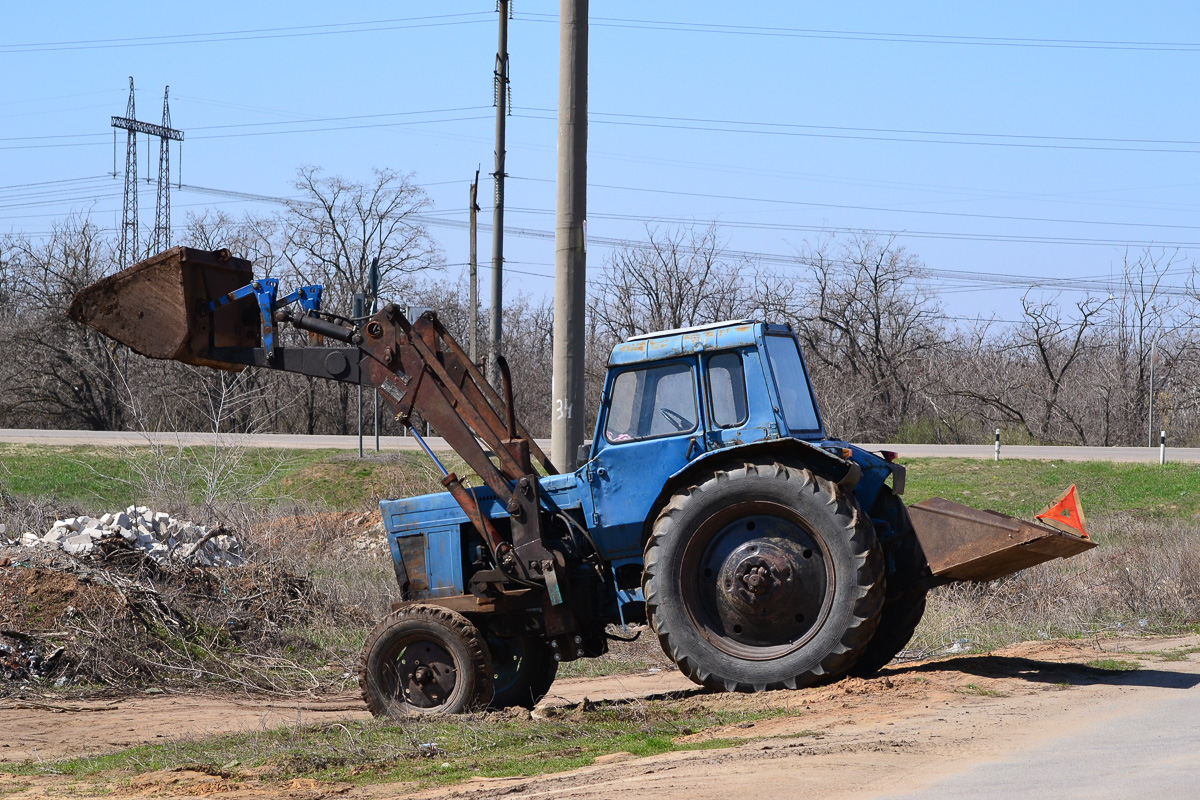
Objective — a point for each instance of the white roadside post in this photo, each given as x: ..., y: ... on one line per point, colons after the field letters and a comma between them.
x: 1162, y: 447
x: 997, y: 444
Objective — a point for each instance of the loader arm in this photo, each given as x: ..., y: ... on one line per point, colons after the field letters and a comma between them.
x: 187, y: 305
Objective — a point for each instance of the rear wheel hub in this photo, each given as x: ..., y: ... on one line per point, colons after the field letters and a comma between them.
x: 761, y: 583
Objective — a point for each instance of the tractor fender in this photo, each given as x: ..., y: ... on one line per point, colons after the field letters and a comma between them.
x: 817, y: 459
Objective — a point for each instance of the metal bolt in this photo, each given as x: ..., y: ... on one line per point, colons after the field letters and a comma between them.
x: 578, y: 639
x: 579, y: 652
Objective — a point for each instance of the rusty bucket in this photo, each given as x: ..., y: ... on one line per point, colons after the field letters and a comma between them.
x: 159, y: 306
x: 966, y: 544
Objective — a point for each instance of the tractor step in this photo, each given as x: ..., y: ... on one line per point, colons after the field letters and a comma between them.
x: 967, y: 544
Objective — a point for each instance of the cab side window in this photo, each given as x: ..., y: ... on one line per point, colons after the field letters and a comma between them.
x: 726, y: 390
x: 657, y: 401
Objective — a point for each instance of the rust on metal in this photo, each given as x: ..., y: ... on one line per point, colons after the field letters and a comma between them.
x: 478, y: 387
x: 968, y: 544
x: 157, y: 307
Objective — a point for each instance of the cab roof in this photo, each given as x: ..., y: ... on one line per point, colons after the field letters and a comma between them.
x: 685, y: 341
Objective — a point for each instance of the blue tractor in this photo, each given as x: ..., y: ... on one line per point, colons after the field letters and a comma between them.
x: 710, y: 505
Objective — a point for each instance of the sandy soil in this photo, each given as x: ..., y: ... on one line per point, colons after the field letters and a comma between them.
x: 899, y: 732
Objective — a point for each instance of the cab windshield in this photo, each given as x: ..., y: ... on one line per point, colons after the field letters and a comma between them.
x: 794, y: 392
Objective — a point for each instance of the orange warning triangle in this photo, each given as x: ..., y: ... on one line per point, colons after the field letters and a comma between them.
x: 1065, y: 513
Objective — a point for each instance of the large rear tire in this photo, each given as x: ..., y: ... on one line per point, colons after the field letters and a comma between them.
x: 897, y: 624
x: 763, y: 576
x: 904, y: 604
x: 424, y: 659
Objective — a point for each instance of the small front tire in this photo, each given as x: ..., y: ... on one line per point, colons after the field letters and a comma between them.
x: 424, y: 659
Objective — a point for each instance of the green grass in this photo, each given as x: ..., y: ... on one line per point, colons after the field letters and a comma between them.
x: 109, y: 477
x: 1179, y: 654
x: 1113, y: 665
x: 1023, y: 488
x: 13, y: 788
x: 339, y: 481
x: 71, y: 474
x: 980, y: 691
x: 424, y: 752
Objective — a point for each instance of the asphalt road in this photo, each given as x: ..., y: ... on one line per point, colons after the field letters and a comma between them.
x: 1144, y: 743
x: 289, y: 441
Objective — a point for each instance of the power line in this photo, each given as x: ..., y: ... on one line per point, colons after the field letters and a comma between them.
x: 964, y: 278
x: 716, y: 128
x: 876, y: 36
x: 432, y: 21
x: 910, y: 132
x: 840, y: 206
x: 364, y: 126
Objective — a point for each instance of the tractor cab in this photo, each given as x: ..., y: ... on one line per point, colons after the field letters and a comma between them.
x: 676, y: 396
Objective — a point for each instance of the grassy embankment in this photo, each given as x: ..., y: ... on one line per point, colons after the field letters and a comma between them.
x: 93, y: 478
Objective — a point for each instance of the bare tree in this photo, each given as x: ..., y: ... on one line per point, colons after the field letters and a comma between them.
x: 331, y: 235
x: 63, y: 376
x: 677, y: 278
x: 338, y: 227
x: 870, y: 329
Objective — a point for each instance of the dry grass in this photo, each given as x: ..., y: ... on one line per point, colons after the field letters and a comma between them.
x: 292, y: 619
x: 1143, y: 577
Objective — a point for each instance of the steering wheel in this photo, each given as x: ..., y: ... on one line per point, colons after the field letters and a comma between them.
x: 677, y: 420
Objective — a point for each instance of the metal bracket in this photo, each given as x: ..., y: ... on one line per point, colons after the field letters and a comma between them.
x: 264, y: 293
x: 524, y: 510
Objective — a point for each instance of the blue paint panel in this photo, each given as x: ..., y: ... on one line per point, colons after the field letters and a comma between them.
x: 443, y: 561
x: 672, y: 345
x: 439, y: 519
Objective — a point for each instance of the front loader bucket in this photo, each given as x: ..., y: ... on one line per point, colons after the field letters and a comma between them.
x: 158, y: 307
x: 967, y: 544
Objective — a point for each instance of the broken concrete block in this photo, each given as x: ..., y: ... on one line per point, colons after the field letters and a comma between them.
x: 106, y: 520
x: 54, y: 535
x: 93, y: 533
x: 78, y: 544
x: 30, y: 540
x: 122, y: 521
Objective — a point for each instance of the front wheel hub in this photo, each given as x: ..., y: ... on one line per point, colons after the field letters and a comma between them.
x: 425, y: 674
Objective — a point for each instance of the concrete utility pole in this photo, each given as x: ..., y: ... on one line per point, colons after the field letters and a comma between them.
x: 500, y: 87
x: 570, y: 255
x: 474, y: 272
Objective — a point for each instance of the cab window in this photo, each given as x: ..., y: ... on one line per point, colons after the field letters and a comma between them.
x: 726, y: 390
x: 656, y: 401
x: 798, y: 409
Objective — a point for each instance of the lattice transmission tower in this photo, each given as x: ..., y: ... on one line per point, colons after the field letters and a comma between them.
x: 161, y: 236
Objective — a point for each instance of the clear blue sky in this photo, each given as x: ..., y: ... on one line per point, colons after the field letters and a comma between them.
x: 886, y: 89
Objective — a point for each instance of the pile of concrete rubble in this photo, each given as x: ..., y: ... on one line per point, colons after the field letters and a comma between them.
x: 155, y: 533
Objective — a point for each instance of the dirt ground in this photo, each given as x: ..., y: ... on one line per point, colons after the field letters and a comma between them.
x: 903, y: 730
